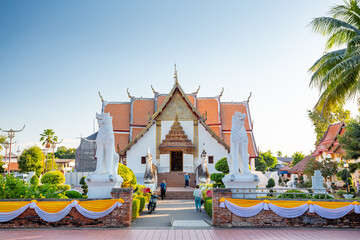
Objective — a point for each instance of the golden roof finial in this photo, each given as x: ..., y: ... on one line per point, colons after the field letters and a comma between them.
x: 175, y: 75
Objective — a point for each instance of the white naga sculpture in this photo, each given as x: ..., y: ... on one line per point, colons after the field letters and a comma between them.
x: 202, y: 172
x: 238, y: 159
x: 150, y: 170
x: 107, y: 158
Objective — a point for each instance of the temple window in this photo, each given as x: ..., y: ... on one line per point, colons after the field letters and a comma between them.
x: 143, y: 160
x: 211, y: 159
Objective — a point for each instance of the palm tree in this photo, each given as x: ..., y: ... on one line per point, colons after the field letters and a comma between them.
x: 337, y: 73
x: 48, y: 137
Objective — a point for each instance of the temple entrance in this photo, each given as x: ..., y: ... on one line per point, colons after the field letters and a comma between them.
x: 176, y: 161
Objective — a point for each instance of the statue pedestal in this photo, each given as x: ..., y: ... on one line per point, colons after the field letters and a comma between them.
x: 100, y: 185
x: 248, y: 181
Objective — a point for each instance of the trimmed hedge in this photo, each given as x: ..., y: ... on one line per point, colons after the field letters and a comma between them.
x: 208, y: 206
x: 135, y: 208
x: 142, y: 203
x: 73, y: 194
x: 34, y: 180
x: 54, y: 177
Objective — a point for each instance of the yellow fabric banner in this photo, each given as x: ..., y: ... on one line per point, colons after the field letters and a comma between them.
x: 288, y: 203
x: 11, y: 206
x: 52, y: 206
x: 98, y: 205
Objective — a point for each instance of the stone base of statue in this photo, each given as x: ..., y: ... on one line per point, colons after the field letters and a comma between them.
x: 100, y: 185
x: 152, y: 186
x: 246, y: 182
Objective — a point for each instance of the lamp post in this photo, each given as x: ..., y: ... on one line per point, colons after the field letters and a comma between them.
x: 11, y: 135
x: 53, y: 146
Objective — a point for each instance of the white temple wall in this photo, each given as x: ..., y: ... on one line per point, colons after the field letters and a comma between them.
x: 212, y: 147
x: 140, y: 149
x: 164, y: 163
x: 188, y: 163
x: 188, y: 127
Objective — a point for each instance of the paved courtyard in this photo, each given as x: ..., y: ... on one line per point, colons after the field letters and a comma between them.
x: 166, y: 211
x: 200, y: 234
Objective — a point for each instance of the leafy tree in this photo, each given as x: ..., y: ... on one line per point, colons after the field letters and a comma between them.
x: 336, y: 73
x: 50, y: 164
x: 84, y: 186
x: 260, y: 165
x: 350, y: 140
x: 223, y: 167
x: 31, y: 160
x: 329, y: 168
x: 297, y: 157
x: 311, y: 166
x: 268, y: 158
x: 322, y: 120
x: 353, y: 167
x: 279, y: 154
x: 65, y: 153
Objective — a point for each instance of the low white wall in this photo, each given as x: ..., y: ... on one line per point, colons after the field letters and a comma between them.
x: 73, y: 178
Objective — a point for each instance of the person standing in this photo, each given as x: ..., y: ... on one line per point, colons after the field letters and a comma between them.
x: 187, y: 179
x: 198, y: 195
x: 163, y: 189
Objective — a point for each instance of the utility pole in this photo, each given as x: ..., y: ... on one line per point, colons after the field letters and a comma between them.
x: 53, y: 146
x: 11, y: 135
x: 6, y: 146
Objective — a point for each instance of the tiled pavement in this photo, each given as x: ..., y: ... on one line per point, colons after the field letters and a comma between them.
x: 201, y: 234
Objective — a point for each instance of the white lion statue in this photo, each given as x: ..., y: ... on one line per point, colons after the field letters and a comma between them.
x: 238, y: 159
x: 107, y: 158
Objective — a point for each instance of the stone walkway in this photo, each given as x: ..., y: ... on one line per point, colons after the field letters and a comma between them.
x: 166, y: 211
x: 198, y: 234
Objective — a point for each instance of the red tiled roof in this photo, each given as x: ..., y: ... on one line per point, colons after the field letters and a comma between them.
x: 219, y: 117
x: 300, y: 166
x: 330, y: 139
x: 286, y: 168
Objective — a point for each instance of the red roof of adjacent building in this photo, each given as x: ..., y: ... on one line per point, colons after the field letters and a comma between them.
x: 330, y: 143
x: 300, y: 166
x: 131, y: 118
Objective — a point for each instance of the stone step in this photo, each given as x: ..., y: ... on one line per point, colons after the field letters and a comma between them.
x: 176, y: 179
x: 174, y: 195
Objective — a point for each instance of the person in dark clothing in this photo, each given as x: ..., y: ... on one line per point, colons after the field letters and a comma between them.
x: 163, y: 189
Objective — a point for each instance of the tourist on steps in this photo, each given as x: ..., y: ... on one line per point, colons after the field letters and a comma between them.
x: 163, y: 189
x: 198, y: 195
x: 187, y: 180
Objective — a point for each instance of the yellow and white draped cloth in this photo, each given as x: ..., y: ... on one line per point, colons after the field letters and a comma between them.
x: 53, y: 211
x: 289, y: 209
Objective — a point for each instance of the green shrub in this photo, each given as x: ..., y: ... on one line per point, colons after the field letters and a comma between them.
x: 322, y: 196
x: 129, y: 179
x: 11, y: 187
x: 142, y: 203
x: 34, y: 180
x: 84, y: 186
x: 135, y: 208
x: 51, y: 191
x: 208, y: 206
x: 222, y: 166
x: 217, y: 178
x: 53, y: 177
x: 296, y: 196
x: 271, y: 183
x: 73, y: 194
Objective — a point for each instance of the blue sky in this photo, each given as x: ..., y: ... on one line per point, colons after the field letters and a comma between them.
x: 56, y: 55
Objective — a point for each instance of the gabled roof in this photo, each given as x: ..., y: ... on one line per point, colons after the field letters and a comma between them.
x: 330, y: 139
x: 152, y: 120
x: 168, y: 98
